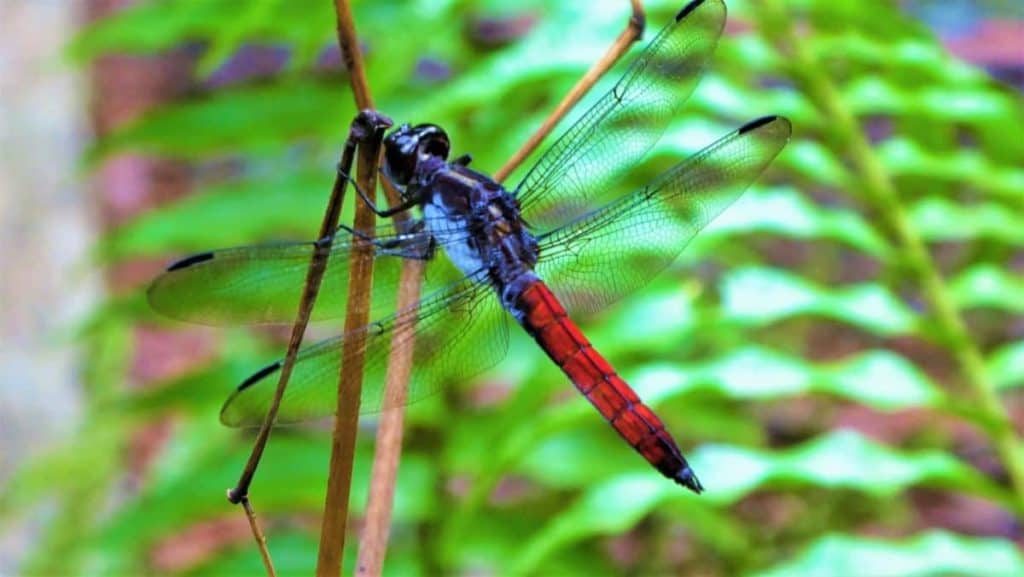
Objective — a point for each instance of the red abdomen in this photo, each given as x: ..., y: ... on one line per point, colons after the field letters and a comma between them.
x: 546, y: 320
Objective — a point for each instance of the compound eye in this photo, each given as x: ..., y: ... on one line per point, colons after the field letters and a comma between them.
x: 401, y: 154
x: 433, y: 141
x: 399, y: 166
x: 408, y: 145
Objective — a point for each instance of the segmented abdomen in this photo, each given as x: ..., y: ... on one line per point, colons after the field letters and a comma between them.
x: 545, y: 319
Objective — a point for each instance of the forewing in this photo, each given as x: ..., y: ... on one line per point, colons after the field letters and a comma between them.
x: 619, y: 248
x: 264, y: 283
x: 460, y: 331
x: 575, y: 175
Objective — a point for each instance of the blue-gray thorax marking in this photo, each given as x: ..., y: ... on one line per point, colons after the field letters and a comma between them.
x: 478, y: 223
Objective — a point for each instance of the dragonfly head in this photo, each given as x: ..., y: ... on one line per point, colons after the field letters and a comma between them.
x: 408, y: 150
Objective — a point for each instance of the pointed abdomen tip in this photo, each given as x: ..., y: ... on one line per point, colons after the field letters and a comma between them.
x: 686, y: 478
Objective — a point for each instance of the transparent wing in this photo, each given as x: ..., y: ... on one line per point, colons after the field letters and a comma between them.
x: 575, y: 174
x: 264, y: 283
x: 602, y: 256
x: 460, y: 331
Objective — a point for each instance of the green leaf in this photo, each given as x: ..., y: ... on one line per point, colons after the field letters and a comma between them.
x: 784, y: 212
x: 880, y: 379
x: 762, y: 296
x: 837, y: 460
x: 261, y: 119
x: 1006, y: 366
x: 862, y: 17
x: 922, y: 59
x: 233, y: 34
x: 874, y: 94
x: 203, y: 460
x: 840, y: 459
x: 151, y: 27
x: 293, y: 554
x: 814, y: 161
x: 963, y: 167
x: 989, y: 286
x: 931, y: 554
x: 941, y: 219
x: 667, y: 310
x: 283, y: 205
x: 201, y: 392
x: 550, y: 447
x: 66, y: 470
x: 608, y: 508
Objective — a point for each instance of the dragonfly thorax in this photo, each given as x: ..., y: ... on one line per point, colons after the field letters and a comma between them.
x: 479, y: 225
x: 471, y: 216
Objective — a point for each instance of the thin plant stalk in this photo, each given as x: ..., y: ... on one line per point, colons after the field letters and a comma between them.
x: 388, y: 444
x: 388, y: 447
x: 351, y: 55
x: 261, y: 538
x: 880, y: 194
x: 350, y: 378
x: 634, y: 30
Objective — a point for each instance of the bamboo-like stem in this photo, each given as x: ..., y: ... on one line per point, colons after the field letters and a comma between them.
x: 634, y: 29
x: 351, y: 55
x: 377, y: 527
x: 388, y: 446
x: 350, y: 379
x: 881, y: 195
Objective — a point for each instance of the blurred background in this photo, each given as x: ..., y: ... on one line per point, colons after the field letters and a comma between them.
x: 841, y: 353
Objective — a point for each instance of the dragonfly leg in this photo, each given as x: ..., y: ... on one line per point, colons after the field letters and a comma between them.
x: 356, y: 233
x: 405, y: 205
x: 421, y: 249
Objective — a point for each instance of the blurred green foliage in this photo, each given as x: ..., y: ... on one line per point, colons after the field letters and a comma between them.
x: 798, y: 307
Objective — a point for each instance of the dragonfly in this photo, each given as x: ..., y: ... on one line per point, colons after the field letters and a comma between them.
x: 560, y: 245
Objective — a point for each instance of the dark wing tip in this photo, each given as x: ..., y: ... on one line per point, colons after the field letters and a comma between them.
x: 690, y: 7
x: 224, y: 418
x: 190, y: 260
x: 686, y: 478
x: 258, y: 376
x: 156, y: 293
x: 252, y: 380
x: 758, y: 123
